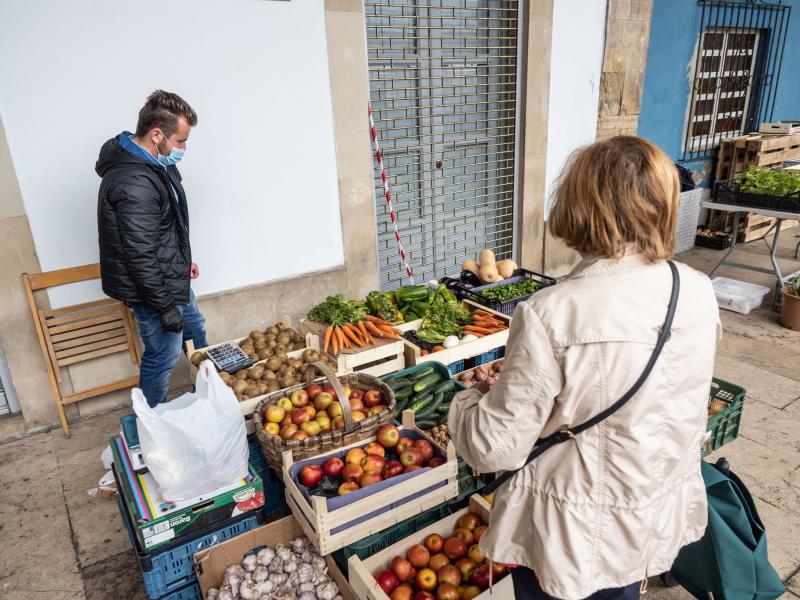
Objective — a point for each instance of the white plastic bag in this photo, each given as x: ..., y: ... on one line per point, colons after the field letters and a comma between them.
x: 196, y: 443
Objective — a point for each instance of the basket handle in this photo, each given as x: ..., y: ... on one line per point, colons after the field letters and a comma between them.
x: 347, y: 413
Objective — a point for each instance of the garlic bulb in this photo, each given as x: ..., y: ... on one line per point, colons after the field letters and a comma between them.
x: 299, y: 545
x: 232, y: 581
x: 265, y: 587
x: 290, y: 566
x: 321, y: 577
x: 306, y: 556
x: 234, y: 569
x: 248, y: 591
x: 305, y: 572
x: 225, y: 593
x: 278, y: 579
x: 249, y: 563
x: 318, y: 563
x: 276, y: 566
x: 212, y: 594
x: 283, y: 552
x: 307, y: 596
x: 260, y: 574
x: 327, y: 591
x: 306, y: 587
x: 265, y: 556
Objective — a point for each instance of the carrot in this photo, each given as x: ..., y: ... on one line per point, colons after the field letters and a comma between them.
x: 473, y: 329
x: 328, y: 333
x: 438, y: 348
x: 363, y: 329
x: 488, y: 324
x: 334, y: 342
x: 350, y: 333
x: 373, y: 329
x: 374, y: 319
x: 482, y: 312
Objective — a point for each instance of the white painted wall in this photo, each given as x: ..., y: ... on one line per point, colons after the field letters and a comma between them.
x: 575, y: 68
x: 260, y: 171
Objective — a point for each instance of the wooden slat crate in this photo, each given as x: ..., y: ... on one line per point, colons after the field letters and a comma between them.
x: 751, y: 225
x: 767, y: 150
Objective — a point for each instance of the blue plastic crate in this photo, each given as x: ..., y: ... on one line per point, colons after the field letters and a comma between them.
x: 170, y: 570
x: 189, y: 592
x: 274, y: 490
x: 457, y: 367
x: 488, y: 357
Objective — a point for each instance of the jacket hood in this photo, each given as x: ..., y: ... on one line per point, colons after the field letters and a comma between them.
x: 118, y: 151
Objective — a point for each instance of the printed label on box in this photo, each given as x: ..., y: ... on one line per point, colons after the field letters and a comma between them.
x: 155, y: 529
x: 244, y: 495
x: 163, y: 536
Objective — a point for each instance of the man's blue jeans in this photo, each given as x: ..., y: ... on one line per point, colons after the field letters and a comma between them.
x: 162, y: 349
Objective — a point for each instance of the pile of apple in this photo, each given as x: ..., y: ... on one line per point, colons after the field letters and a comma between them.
x: 316, y: 410
x: 443, y: 569
x: 373, y: 463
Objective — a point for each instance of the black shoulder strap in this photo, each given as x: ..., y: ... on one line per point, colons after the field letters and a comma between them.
x: 544, y: 444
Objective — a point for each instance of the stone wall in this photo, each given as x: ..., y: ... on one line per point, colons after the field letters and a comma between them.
x: 624, y: 61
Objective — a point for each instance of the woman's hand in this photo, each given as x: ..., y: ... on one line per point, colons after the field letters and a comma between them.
x: 482, y: 386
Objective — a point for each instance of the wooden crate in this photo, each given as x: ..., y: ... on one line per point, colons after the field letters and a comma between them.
x: 765, y: 150
x: 381, y: 357
x: 361, y: 573
x: 210, y: 563
x: 462, y: 351
x: 752, y: 226
x: 318, y: 523
x: 780, y: 127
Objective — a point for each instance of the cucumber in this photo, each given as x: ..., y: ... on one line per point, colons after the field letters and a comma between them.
x: 421, y: 402
x: 428, y: 424
x: 426, y: 382
x: 401, y: 404
x: 400, y: 383
x: 443, y: 408
x: 445, y: 386
x: 430, y: 409
x: 422, y: 373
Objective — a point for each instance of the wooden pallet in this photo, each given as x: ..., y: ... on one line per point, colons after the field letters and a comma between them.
x: 752, y: 226
x: 766, y: 150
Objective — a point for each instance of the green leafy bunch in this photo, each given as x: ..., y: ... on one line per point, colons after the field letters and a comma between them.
x: 509, y: 291
x: 766, y: 181
x: 337, y: 310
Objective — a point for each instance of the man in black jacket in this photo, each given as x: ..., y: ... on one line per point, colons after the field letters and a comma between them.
x: 143, y: 227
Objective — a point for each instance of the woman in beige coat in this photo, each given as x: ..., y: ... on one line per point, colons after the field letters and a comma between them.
x: 595, y: 516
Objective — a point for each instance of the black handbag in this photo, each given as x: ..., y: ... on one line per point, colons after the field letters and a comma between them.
x: 568, y: 433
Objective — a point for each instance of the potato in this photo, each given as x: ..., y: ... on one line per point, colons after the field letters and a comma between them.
x: 273, y: 386
x: 197, y: 358
x: 274, y: 363
x: 264, y: 354
x: 242, y: 374
x: 268, y: 375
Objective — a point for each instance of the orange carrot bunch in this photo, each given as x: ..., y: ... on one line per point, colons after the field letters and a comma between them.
x: 358, y: 335
x: 484, y: 323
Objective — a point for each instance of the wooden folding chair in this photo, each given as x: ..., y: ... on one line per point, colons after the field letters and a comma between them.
x: 79, y: 333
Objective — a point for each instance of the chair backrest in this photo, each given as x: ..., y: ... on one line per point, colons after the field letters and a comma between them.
x: 81, y: 332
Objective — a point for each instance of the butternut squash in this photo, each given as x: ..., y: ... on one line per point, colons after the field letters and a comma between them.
x: 486, y: 258
x: 506, y: 268
x: 470, y: 265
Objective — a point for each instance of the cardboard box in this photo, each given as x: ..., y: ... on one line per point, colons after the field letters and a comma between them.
x: 210, y: 563
x: 361, y: 572
x: 157, y: 522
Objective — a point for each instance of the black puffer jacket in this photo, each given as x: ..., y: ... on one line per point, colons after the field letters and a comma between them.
x: 145, y: 256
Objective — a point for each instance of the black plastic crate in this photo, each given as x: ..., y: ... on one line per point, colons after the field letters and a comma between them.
x: 719, y: 241
x: 506, y: 307
x: 730, y: 192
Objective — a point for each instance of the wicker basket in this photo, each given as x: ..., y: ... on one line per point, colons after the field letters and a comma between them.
x: 273, y: 447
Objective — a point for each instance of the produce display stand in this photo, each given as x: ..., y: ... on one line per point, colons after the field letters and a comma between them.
x: 378, y: 358
x: 331, y: 530
x: 505, y: 307
x: 461, y: 353
x: 361, y: 573
x: 210, y: 563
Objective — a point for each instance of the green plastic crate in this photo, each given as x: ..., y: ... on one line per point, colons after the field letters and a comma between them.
x: 724, y: 426
x: 383, y: 539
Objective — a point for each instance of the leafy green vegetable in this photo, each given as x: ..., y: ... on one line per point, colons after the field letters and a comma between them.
x: 509, y: 291
x: 336, y: 310
x: 766, y: 181
x: 444, y: 318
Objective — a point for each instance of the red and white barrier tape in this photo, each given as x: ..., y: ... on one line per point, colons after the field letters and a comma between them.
x: 387, y: 193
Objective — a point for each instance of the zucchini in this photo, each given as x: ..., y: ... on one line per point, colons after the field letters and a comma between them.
x: 426, y: 382
x: 421, y: 401
x: 422, y: 373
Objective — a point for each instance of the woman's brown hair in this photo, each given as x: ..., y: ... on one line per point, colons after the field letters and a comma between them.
x: 617, y: 195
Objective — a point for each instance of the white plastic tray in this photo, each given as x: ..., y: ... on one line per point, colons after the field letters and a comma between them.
x: 738, y: 296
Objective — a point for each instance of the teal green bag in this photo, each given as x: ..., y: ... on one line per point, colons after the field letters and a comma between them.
x: 730, y: 561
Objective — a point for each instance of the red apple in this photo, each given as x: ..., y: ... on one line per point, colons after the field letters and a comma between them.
x: 480, y: 577
x: 323, y: 401
x: 299, y: 398
x: 376, y: 410
x: 498, y: 570
x: 426, y: 580
x: 356, y: 405
x: 411, y: 456
x: 368, y: 479
x: 387, y: 580
x: 299, y: 416
x: 391, y: 469
x: 312, y: 428
x: 333, y: 467
x: 300, y: 435
x: 479, y: 531
x: 402, y: 568
x: 447, y: 591
x: 466, y: 567
x: 355, y: 456
x: 373, y: 398
x: 469, y: 521
x: 347, y: 487
x: 357, y: 395
x: 338, y: 423
x: 435, y: 462
x: 388, y: 436
x: 475, y: 554
x: 358, y: 416
x: 418, y: 556
x: 465, y: 535
x: 402, y: 592
x: 455, y: 548
x: 425, y: 448
x: 422, y: 595
x: 373, y: 464
x: 449, y: 574
x: 312, y: 412
x: 469, y: 592
x: 310, y: 475
x: 434, y: 543
x: 313, y: 390
x: 288, y: 431
x: 352, y: 472
x: 375, y: 448
x: 438, y: 561
x: 287, y: 420
x: 329, y: 389
x: 402, y: 444
x: 412, y: 468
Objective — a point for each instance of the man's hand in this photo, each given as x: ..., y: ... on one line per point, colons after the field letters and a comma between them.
x: 171, y: 320
x: 482, y: 387
x: 195, y: 271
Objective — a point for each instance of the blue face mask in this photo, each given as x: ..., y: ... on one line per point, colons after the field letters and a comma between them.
x: 174, y: 157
